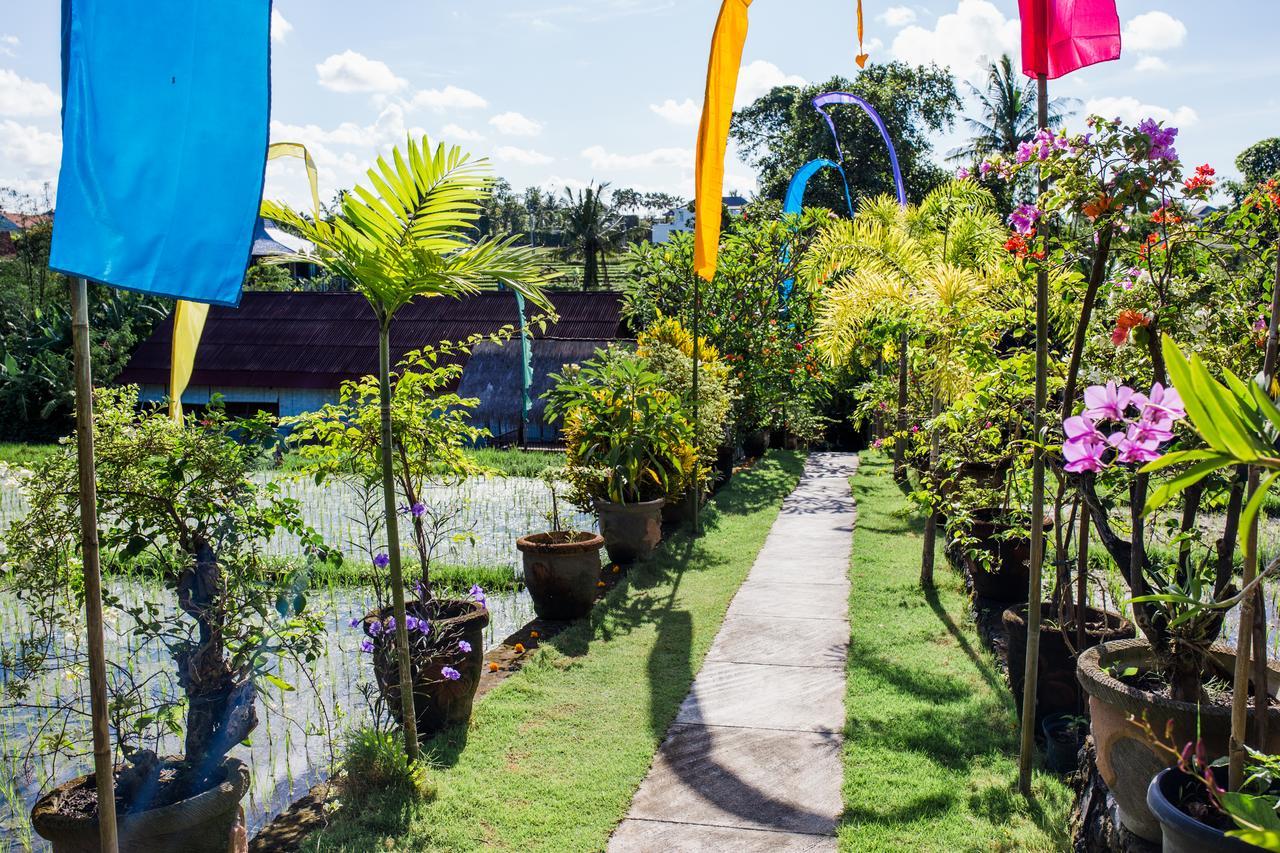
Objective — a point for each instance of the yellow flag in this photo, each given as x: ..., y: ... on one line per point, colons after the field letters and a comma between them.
x: 713, y: 133
x: 188, y: 323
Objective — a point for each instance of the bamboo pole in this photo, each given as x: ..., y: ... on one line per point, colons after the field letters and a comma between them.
x: 102, y: 765
x: 697, y: 445
x: 409, y: 720
x: 1244, y: 638
x: 929, y: 556
x: 1031, y: 671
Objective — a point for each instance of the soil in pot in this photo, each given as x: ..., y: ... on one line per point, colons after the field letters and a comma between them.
x: 446, y: 660
x: 67, y: 816
x: 1189, y: 822
x: 1057, y: 690
x: 1127, y: 760
x: 631, y: 531
x: 561, y: 571
x: 1007, y: 577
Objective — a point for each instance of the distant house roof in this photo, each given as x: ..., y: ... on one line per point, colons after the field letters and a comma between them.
x: 23, y: 221
x: 319, y: 340
x: 269, y: 239
x: 7, y: 224
x: 734, y: 201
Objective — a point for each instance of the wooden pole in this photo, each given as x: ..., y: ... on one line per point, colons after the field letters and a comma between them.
x: 927, y: 558
x: 1031, y: 671
x: 409, y: 719
x: 697, y: 445
x: 102, y: 765
x: 1244, y: 637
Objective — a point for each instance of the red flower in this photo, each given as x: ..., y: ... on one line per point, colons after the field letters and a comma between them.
x: 1126, y: 321
x: 1202, y: 180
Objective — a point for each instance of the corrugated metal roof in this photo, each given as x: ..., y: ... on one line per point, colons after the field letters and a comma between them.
x: 318, y: 340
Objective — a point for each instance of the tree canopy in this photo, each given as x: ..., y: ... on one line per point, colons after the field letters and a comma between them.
x: 781, y: 131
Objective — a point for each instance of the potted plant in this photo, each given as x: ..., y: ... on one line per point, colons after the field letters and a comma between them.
x: 561, y: 567
x: 1198, y: 814
x: 181, y: 495
x: 410, y: 237
x: 629, y: 446
x: 1063, y: 736
x: 431, y: 430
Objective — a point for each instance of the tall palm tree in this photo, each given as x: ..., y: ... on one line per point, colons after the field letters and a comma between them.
x: 1008, y: 115
x: 591, y: 230
x: 411, y: 236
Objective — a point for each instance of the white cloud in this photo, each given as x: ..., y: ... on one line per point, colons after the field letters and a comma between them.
x: 8, y: 43
x: 897, y: 16
x: 604, y: 161
x: 454, y: 133
x: 1132, y: 111
x: 965, y: 40
x: 1151, y: 63
x: 354, y: 72
x: 523, y: 156
x: 759, y: 78
x: 1154, y: 31
x: 515, y: 124
x: 280, y: 28
x: 450, y: 97
x: 22, y: 97
x: 32, y: 150
x: 686, y: 112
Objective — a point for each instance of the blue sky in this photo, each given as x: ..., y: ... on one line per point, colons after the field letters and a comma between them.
x: 563, y: 92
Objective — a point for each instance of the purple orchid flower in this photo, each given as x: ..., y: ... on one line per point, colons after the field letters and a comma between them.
x: 1107, y: 403
x: 1084, y: 455
x: 1162, y: 402
x: 1080, y: 429
x: 1131, y: 449
x: 450, y: 673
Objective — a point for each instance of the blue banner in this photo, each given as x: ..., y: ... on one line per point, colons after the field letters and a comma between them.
x: 164, y: 130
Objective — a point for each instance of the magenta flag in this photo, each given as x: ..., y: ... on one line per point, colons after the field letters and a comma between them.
x: 1061, y: 36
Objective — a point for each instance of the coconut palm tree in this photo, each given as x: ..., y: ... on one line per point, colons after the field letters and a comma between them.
x: 412, y: 235
x: 591, y: 230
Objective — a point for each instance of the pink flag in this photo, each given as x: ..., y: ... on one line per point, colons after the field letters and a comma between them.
x: 1061, y: 36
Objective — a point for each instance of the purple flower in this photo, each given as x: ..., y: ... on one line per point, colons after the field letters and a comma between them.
x: 1131, y: 448
x: 1163, y: 403
x: 1151, y: 430
x: 1107, y: 403
x: 411, y: 623
x: 418, y: 510
x: 375, y: 628
x: 464, y: 647
x: 391, y: 623
x: 1080, y: 429
x: 381, y: 561
x: 962, y: 173
x: 450, y: 673
x: 355, y: 621
x: 478, y: 594
x: 1024, y: 218
x: 366, y: 645
x: 984, y: 168
x: 1084, y: 455
x: 1260, y: 324
x: 1161, y: 139
x: 1025, y: 151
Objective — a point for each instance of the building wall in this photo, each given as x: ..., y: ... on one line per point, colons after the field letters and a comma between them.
x: 289, y: 401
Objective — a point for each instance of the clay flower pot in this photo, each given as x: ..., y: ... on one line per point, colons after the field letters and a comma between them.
x: 446, y: 673
x: 1009, y: 576
x: 1127, y: 761
x: 631, y: 531
x: 561, y: 571
x: 199, y: 824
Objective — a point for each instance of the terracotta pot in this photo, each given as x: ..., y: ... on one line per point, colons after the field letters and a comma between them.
x: 1181, y: 832
x: 561, y: 572
x: 1057, y: 690
x: 1009, y: 576
x: 985, y: 475
x: 631, y: 531
x: 1126, y: 759
x: 199, y: 824
x: 438, y: 701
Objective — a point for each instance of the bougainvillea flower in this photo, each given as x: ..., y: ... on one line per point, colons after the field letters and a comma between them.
x: 1107, y: 402
x: 1126, y: 321
x: 1161, y: 139
x: 1084, y: 455
x: 1024, y: 218
x: 1202, y: 180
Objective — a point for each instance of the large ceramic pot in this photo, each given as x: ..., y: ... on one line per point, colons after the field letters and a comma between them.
x: 439, y: 701
x: 1181, y: 832
x: 1057, y: 690
x: 630, y: 531
x: 1009, y: 574
x: 1127, y: 761
x: 754, y: 444
x: 985, y: 475
x: 199, y: 824
x: 561, y: 571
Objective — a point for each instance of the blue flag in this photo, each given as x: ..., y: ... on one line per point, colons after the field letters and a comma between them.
x: 165, y: 108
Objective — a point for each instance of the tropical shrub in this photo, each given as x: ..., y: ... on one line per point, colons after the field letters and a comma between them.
x: 182, y: 492
x: 629, y: 439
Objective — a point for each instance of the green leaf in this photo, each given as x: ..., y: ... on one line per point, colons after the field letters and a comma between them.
x: 278, y: 682
x: 1250, y: 514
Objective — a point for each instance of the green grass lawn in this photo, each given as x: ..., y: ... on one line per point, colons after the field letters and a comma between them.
x: 930, y: 756
x: 555, y: 753
x: 24, y: 454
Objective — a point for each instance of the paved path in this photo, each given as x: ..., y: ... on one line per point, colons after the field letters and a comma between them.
x: 752, y: 761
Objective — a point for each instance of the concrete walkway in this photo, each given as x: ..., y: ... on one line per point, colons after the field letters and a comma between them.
x: 752, y: 761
